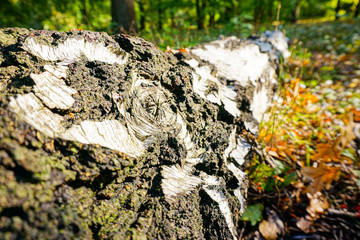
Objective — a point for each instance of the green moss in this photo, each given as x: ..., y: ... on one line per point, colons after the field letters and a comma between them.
x: 9, y: 36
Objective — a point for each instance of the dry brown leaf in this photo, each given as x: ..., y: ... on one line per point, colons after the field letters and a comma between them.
x: 318, y: 204
x: 347, y: 132
x: 273, y: 154
x: 332, y: 151
x: 305, y: 223
x: 299, y: 187
x: 272, y: 227
x: 268, y: 230
x: 285, y: 151
x: 323, y: 175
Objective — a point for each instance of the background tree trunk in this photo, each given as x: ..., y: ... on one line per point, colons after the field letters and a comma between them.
x: 296, y: 11
x: 200, y: 4
x: 85, y: 14
x: 212, y: 19
x: 337, y: 9
x: 142, y: 14
x: 123, y: 16
x: 108, y: 137
x: 160, y: 15
x: 259, y: 13
x: 357, y: 9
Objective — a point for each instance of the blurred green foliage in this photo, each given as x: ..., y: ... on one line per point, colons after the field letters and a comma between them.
x: 168, y: 22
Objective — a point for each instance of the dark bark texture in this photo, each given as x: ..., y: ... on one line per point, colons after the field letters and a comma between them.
x: 109, y: 138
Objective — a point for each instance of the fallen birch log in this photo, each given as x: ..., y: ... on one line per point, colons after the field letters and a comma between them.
x: 108, y: 137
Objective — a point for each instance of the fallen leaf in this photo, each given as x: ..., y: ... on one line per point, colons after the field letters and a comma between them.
x: 285, y: 151
x: 253, y: 213
x: 183, y: 50
x: 356, y: 113
x: 326, y: 152
x: 272, y: 227
x: 169, y: 50
x: 343, y: 58
x: 268, y: 230
x: 318, y: 204
x: 305, y: 223
x: 273, y: 154
x: 323, y: 175
x: 347, y: 132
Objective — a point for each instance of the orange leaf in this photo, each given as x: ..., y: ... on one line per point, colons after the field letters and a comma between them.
x: 343, y: 58
x: 356, y: 115
x: 183, y: 50
x: 326, y: 152
x: 169, y: 50
x: 323, y: 175
x: 306, y: 62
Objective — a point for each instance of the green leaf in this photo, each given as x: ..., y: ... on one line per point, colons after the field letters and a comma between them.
x: 288, y: 179
x: 260, y: 172
x: 349, y: 154
x: 253, y: 213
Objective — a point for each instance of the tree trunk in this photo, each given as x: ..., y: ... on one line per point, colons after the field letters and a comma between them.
x: 109, y: 138
x: 123, y: 16
x: 85, y: 14
x: 337, y: 9
x: 160, y: 13
x: 258, y: 13
x: 211, y: 19
x: 172, y: 19
x: 229, y: 11
x: 200, y: 13
x: 357, y: 9
x: 269, y: 10
x: 236, y: 9
x: 296, y: 11
x: 142, y: 14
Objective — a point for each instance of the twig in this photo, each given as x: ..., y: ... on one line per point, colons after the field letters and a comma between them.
x: 352, y: 177
x: 277, y: 16
x: 263, y: 155
x: 342, y: 213
x: 241, y: 233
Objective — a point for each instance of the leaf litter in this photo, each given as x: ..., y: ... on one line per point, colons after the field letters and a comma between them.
x: 312, y: 135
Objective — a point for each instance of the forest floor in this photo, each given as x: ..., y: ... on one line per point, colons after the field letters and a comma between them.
x: 307, y: 186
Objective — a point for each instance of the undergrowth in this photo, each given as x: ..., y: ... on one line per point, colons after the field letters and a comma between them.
x: 308, y: 134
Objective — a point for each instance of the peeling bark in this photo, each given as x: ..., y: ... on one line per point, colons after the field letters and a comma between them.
x: 107, y: 137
